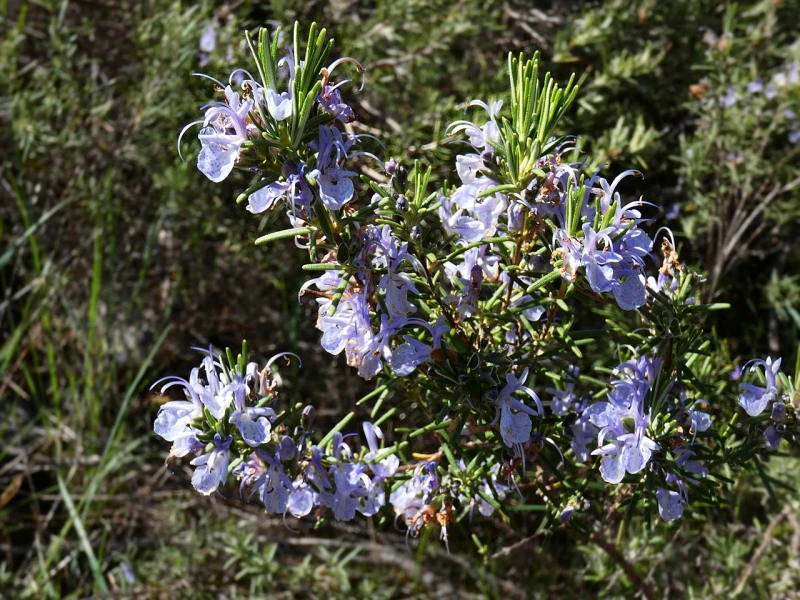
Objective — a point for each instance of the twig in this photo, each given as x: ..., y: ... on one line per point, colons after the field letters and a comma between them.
x: 768, y: 535
x: 509, y: 549
x: 623, y: 563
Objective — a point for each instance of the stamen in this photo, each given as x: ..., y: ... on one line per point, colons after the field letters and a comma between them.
x: 326, y: 73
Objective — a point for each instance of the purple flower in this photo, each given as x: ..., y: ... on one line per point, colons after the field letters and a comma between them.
x: 335, y: 188
x: 217, y: 396
x: 468, y: 217
x: 368, y: 352
x: 599, y: 272
x: 610, y: 267
x: 277, y: 486
x: 622, y: 424
x: 630, y: 292
x: 700, y: 421
x: 302, y: 499
x: 352, y: 484
x: 469, y: 276
x: 771, y: 91
x: 387, y: 467
x: 515, y: 422
x: 779, y: 412
x: 212, y: 468
x: 516, y: 216
x: 208, y: 39
x: 570, y: 250
x: 670, y: 504
x: 729, y: 99
x: 186, y: 443
x: 316, y: 474
x: 224, y: 130
x: 174, y: 417
x: 279, y: 105
x: 252, y: 473
x: 480, y: 138
x: 565, y: 400
x: 253, y: 424
x: 755, y: 86
x: 413, y: 495
x: 294, y: 189
x: 381, y: 470
x: 396, y: 287
x: 467, y: 166
x: 391, y: 253
x: 407, y: 357
x: 772, y: 440
x: 584, y: 433
x: 684, y: 461
x: 331, y: 101
x: 349, y: 323
x: 754, y: 399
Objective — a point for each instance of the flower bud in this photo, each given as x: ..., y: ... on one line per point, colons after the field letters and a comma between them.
x: 287, y: 448
x: 289, y: 168
x: 416, y: 233
x: 779, y: 412
x: 516, y: 216
x: 402, y: 204
x: 476, y: 276
x: 308, y: 414
x: 390, y: 166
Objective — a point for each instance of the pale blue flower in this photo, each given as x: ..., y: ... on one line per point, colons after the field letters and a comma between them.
x: 772, y: 440
x: 212, y: 468
x: 729, y: 99
x: 208, y: 39
x: 670, y: 504
x: 622, y: 423
x: 566, y: 401
x: 515, y: 417
x: 331, y: 101
x: 336, y: 188
x: 754, y: 399
x: 174, y: 417
x: 468, y: 217
x: 186, y: 443
x: 302, y: 499
x: 755, y: 86
x: 225, y: 129
x: 279, y: 105
x: 480, y: 137
x: 468, y: 166
x: 411, y: 497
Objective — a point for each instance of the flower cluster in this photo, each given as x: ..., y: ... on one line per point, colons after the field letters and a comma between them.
x: 464, y: 303
x: 627, y: 425
x: 379, y: 287
x: 782, y: 417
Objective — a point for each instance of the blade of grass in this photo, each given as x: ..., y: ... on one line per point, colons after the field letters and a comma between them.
x: 86, y: 544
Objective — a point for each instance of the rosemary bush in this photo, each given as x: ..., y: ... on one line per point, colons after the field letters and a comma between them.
x: 538, y: 352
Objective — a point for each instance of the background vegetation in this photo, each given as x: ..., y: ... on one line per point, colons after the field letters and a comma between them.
x: 115, y: 258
